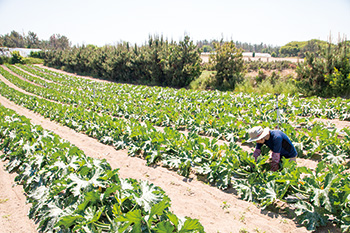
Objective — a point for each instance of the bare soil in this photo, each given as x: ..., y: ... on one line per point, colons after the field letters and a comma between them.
x: 13, y: 207
x: 217, y: 210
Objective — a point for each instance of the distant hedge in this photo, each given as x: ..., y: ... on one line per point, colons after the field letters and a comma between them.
x: 159, y: 62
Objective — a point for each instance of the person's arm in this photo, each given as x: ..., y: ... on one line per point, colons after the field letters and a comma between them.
x: 276, y: 154
x: 275, y: 160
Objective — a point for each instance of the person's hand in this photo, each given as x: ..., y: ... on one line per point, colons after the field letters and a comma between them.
x: 256, y: 154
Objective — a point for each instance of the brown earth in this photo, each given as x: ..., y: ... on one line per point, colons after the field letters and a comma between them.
x: 218, y: 211
x: 13, y: 207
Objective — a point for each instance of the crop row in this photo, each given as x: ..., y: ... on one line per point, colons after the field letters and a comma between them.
x: 312, y: 140
x: 325, y: 191
x: 70, y: 192
x: 209, y: 113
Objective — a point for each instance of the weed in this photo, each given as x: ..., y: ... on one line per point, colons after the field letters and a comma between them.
x: 225, y: 205
x: 3, y: 200
x: 242, y: 218
x: 243, y: 230
x: 190, y: 192
x: 284, y: 221
x: 258, y: 230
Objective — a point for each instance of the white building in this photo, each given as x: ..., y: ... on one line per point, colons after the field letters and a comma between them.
x: 22, y: 51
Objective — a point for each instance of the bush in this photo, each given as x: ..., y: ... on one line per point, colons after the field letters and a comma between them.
x: 326, y: 73
x: 16, y: 57
x: 39, y: 54
x: 4, y: 59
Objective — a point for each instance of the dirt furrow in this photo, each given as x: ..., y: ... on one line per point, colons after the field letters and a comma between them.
x: 13, y: 207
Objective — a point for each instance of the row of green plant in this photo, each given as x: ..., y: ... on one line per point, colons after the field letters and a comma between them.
x: 319, y: 107
x: 325, y: 148
x: 170, y: 107
x: 316, y: 140
x: 225, y: 165
x: 229, y: 136
x: 70, y: 192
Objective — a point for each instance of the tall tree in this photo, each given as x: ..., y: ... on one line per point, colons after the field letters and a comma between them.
x: 59, y: 42
x: 228, y: 62
x: 32, y: 40
x: 14, y: 40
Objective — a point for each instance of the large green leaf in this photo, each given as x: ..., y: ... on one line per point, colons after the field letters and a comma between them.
x: 164, y: 227
x: 191, y: 225
x: 310, y: 216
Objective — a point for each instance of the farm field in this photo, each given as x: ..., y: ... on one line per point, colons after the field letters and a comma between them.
x: 117, y: 122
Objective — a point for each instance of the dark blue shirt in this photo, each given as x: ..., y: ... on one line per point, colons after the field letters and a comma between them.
x: 279, y: 143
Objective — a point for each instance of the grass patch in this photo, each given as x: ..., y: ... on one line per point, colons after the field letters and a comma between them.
x: 280, y: 86
x: 32, y: 60
x: 263, y: 83
x: 204, y: 82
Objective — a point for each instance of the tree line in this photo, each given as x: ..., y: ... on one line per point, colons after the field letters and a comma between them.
x: 57, y: 41
x: 31, y: 40
x: 160, y: 62
x: 324, y: 72
x: 209, y: 46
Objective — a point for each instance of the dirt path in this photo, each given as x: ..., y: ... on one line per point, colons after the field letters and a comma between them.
x: 13, y: 207
x: 218, y: 211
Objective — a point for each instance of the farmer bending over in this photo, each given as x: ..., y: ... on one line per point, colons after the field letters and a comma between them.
x: 276, y: 140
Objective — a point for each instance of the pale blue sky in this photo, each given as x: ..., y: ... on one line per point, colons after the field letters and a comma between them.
x: 100, y: 22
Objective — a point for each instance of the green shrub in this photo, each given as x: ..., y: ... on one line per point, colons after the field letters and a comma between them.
x: 326, y: 73
x: 4, y: 59
x: 16, y: 57
x: 39, y: 54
